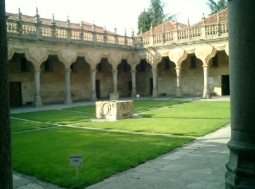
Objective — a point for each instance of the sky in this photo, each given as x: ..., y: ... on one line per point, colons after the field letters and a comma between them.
x: 122, y: 14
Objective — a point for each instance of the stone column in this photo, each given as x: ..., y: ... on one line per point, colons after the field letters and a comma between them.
x: 155, y: 87
x: 241, y: 164
x: 133, y: 94
x: 206, y: 93
x: 37, y: 97
x: 115, y: 94
x: 93, y: 84
x: 114, y: 75
x: 68, y: 98
x: 178, y: 80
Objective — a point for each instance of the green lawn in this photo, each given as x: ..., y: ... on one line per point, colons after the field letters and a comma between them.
x: 45, y: 154
x: 22, y: 125
x: 55, y: 116
x: 186, y: 127
x: 146, y: 105
x: 86, y: 109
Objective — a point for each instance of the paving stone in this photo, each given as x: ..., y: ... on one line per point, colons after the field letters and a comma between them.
x: 31, y: 186
x: 20, y: 182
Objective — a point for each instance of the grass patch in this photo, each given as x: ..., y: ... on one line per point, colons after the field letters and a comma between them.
x: 87, y: 109
x: 22, y: 125
x: 147, y: 105
x: 55, y: 116
x: 104, y: 153
x: 191, y: 112
x: 176, y: 126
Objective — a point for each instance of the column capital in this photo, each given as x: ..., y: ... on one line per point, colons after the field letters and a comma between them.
x: 92, y: 70
x: 114, y: 71
x: 68, y: 70
x: 37, y: 70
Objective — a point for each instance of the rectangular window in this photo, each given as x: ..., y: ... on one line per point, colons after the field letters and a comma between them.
x: 193, y: 62
x: 23, y: 64
x: 47, y: 65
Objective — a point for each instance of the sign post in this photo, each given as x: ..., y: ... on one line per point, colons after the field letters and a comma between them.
x: 76, y: 161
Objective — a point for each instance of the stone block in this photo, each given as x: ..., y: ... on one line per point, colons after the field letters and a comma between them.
x: 114, y: 96
x: 114, y: 110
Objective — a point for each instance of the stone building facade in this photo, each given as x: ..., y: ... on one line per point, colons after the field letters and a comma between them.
x: 58, y: 61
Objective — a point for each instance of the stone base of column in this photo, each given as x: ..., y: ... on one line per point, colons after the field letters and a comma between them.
x: 93, y: 96
x: 68, y: 99
x: 178, y: 92
x: 37, y: 102
x: 133, y: 94
x: 154, y: 93
x: 206, y: 93
x: 114, y: 96
x: 240, y: 167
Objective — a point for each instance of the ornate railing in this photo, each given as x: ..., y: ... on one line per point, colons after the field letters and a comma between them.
x: 39, y: 31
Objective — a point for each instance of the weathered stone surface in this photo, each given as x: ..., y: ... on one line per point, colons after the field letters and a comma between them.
x: 114, y: 110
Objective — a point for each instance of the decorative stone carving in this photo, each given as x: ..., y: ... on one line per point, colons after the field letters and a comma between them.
x: 37, y: 55
x: 153, y: 58
x: 67, y: 56
x: 115, y: 58
x: 93, y: 58
x: 114, y: 110
x: 177, y: 56
x: 205, y: 53
x: 133, y: 60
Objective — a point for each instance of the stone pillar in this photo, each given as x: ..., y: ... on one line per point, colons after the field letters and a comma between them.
x: 241, y: 164
x: 133, y: 94
x: 93, y: 85
x: 178, y: 80
x: 155, y: 87
x: 114, y: 75
x: 68, y: 98
x: 206, y: 93
x: 37, y: 97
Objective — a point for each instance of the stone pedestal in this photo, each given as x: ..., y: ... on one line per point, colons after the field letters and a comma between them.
x: 114, y: 110
x: 114, y: 96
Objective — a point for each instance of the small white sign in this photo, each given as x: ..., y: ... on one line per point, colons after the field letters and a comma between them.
x: 211, y: 80
x: 75, y: 160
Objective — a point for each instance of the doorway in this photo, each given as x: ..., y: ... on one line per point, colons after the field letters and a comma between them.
x: 15, y: 93
x: 151, y: 86
x: 225, y: 85
x: 98, y: 88
x: 129, y: 88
